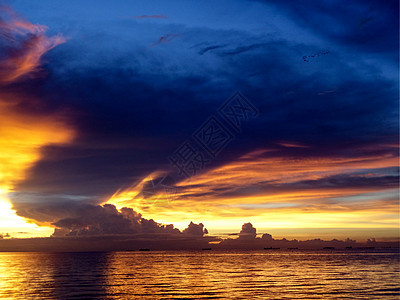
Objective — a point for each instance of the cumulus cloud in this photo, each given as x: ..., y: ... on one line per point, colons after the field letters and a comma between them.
x: 248, y: 231
x: 107, y: 219
x: 266, y: 237
x: 196, y: 229
x: 94, y: 220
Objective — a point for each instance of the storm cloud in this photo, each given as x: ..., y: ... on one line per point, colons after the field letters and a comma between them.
x: 89, y: 220
x: 137, y: 88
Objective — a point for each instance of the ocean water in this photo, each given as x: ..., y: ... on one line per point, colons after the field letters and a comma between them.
x: 270, y: 274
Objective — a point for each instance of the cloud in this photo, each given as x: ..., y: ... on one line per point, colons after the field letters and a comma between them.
x: 106, y: 219
x: 11, y: 25
x: 96, y: 220
x: 248, y: 231
x: 367, y: 26
x: 24, y: 43
x: 209, y: 48
x: 164, y: 240
x: 266, y: 185
x: 247, y: 240
x: 138, y: 104
x: 27, y: 124
x: 242, y: 49
x: 195, y: 229
x: 165, y: 39
x: 290, y: 144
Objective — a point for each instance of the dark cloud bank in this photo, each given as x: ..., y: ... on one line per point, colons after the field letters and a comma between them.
x: 135, y: 104
x: 132, y: 112
x: 105, y: 228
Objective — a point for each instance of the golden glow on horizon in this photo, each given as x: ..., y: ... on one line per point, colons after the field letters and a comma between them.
x: 15, y: 225
x: 22, y: 134
x: 199, y: 199
x: 21, y: 139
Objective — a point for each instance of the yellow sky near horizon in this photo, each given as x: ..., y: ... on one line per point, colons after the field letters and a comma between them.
x: 228, y: 196
x: 23, y: 135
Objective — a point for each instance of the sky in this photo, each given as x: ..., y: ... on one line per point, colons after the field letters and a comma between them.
x: 283, y: 114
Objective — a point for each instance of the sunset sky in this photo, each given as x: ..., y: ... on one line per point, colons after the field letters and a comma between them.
x: 279, y: 113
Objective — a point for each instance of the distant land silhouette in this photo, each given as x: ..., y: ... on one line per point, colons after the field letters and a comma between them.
x: 189, y: 239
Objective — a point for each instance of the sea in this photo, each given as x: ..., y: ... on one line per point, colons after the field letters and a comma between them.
x: 268, y: 274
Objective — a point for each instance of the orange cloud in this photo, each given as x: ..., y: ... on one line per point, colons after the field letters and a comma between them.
x: 289, y: 144
x: 279, y: 192
x: 24, y: 56
x: 23, y: 134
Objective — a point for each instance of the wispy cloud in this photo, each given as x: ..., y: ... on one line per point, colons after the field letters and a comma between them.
x: 264, y: 183
x: 166, y: 39
x: 26, y: 44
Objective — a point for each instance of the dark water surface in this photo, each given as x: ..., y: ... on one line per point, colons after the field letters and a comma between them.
x: 266, y: 274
